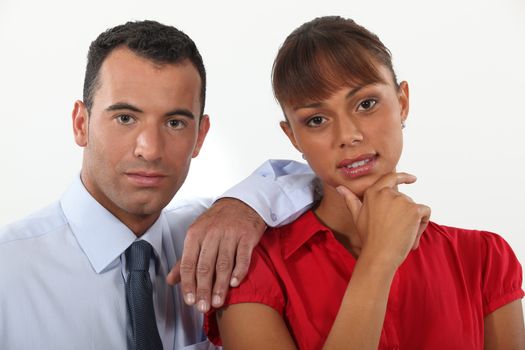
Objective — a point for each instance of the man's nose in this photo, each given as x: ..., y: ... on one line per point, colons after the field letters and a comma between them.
x: 149, y: 143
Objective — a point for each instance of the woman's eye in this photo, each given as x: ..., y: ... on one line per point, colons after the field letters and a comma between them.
x: 125, y: 119
x: 367, y: 104
x: 316, y: 121
x: 176, y: 124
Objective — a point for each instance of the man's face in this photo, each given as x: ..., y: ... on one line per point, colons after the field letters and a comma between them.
x: 140, y: 136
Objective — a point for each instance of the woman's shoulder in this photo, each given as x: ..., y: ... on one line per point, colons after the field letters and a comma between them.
x: 461, y: 236
x: 305, y: 226
x: 485, y: 260
x: 482, y: 249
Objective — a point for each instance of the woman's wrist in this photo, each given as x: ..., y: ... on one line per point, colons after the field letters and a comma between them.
x: 379, y: 264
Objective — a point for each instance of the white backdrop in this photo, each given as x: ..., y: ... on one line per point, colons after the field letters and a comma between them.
x: 464, y: 61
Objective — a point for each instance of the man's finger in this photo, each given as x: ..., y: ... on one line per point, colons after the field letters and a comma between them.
x: 174, y: 275
x: 205, y: 272
x: 352, y: 202
x: 223, y: 269
x: 242, y: 262
x: 190, y: 255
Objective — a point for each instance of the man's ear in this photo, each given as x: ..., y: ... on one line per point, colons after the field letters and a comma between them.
x: 285, y: 126
x: 204, y: 126
x: 80, y: 118
x: 403, y: 98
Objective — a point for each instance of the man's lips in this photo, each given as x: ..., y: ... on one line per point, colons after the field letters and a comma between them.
x: 144, y: 178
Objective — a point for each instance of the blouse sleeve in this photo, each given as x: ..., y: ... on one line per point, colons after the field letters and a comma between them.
x: 501, y: 275
x: 261, y: 285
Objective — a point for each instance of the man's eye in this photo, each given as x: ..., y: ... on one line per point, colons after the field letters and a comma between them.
x: 316, y: 121
x: 176, y: 124
x: 367, y: 104
x: 125, y: 119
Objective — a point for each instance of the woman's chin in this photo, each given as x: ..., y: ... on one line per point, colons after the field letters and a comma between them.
x: 359, y: 187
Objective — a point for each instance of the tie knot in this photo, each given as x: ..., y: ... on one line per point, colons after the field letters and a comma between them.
x: 138, y: 256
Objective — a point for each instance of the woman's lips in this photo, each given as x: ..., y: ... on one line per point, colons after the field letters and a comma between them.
x: 358, y: 166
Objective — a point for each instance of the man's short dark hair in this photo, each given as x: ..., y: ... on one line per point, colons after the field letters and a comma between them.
x: 149, y: 39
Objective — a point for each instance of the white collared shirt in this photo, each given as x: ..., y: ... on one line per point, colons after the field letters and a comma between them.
x: 62, y: 269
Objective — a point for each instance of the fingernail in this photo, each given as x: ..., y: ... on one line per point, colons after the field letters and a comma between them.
x: 216, y: 300
x: 202, y: 306
x: 189, y: 298
x: 234, y: 282
x: 339, y: 189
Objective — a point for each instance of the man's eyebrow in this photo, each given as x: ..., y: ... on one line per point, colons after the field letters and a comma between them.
x: 181, y: 111
x: 123, y: 105
x: 321, y: 104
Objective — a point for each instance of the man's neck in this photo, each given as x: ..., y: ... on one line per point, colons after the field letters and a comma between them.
x: 138, y: 224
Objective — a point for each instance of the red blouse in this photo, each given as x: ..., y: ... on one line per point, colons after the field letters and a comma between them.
x: 438, y: 298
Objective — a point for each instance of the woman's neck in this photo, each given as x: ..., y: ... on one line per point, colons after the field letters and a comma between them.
x: 333, y: 212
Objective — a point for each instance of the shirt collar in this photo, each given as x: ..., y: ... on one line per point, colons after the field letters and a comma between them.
x: 101, y: 236
x: 301, y: 231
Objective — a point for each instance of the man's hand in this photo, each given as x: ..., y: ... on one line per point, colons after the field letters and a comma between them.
x: 219, y: 240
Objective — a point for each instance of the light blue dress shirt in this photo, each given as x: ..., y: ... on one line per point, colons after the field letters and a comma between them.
x: 63, y: 271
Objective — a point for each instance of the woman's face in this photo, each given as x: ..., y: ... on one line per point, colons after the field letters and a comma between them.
x: 353, y: 137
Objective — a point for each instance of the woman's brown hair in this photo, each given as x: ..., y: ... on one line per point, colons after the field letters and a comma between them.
x: 323, y: 55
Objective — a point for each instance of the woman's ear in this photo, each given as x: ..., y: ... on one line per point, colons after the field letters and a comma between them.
x: 403, y: 98
x: 285, y: 126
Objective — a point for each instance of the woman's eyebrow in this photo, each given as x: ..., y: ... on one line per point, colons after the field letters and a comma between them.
x: 350, y: 93
x: 354, y: 91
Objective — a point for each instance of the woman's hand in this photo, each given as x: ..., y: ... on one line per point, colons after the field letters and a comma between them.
x: 388, y: 222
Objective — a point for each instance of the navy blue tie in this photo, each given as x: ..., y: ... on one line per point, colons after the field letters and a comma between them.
x: 139, y: 297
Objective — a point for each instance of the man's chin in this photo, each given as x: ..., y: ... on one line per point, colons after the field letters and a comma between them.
x: 144, y: 208
x: 144, y: 203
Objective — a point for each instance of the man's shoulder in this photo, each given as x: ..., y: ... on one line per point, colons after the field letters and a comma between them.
x: 182, y: 212
x: 37, y: 224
